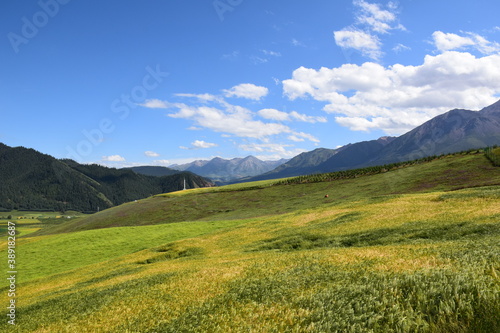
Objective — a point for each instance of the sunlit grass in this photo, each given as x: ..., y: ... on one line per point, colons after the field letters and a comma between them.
x: 58, y: 253
x: 365, y: 259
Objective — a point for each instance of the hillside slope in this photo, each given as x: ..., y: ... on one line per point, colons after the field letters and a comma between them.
x: 401, y: 251
x: 354, y: 155
x: 303, y: 163
x: 157, y: 171
x: 251, y: 200
x: 31, y: 180
x: 453, y: 131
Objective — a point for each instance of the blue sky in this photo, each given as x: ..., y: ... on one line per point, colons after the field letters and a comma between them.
x: 160, y: 82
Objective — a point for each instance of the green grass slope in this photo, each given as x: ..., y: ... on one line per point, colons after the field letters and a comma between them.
x: 411, y: 250
x: 261, y: 198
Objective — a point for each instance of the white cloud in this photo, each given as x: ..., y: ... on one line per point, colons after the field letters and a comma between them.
x: 201, y: 97
x: 274, y: 114
x: 277, y: 115
x: 265, y: 147
x: 247, y: 90
x: 151, y: 154
x: 400, y: 48
x: 295, y: 138
x: 271, y: 53
x: 397, y: 98
x: 155, y: 104
x: 113, y: 158
x: 450, y: 41
x: 272, y: 151
x: 369, y: 45
x: 216, y: 114
x: 483, y: 45
x: 199, y: 144
x: 308, y: 119
x: 370, y: 21
x: 304, y: 136
x: 234, y: 120
x: 377, y: 19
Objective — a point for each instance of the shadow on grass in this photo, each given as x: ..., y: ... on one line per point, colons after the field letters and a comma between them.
x: 387, y: 236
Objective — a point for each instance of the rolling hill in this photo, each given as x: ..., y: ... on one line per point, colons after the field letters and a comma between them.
x: 262, y: 198
x: 411, y: 249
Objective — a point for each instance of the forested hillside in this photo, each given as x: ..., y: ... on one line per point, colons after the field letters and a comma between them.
x: 30, y: 180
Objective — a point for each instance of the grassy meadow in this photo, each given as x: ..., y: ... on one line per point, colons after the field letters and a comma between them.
x: 413, y: 249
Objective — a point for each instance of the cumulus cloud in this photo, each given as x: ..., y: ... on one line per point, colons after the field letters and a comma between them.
x: 215, y: 113
x: 247, y: 90
x: 450, y: 41
x: 397, y: 98
x: 222, y: 117
x: 234, y: 120
x: 151, y: 154
x: 369, y: 45
x: 113, y: 158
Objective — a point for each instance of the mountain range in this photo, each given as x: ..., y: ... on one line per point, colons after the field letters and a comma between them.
x: 224, y: 170
x: 453, y: 131
x: 30, y: 180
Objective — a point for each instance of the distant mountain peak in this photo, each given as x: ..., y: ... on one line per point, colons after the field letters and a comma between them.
x: 453, y: 131
x: 224, y: 170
